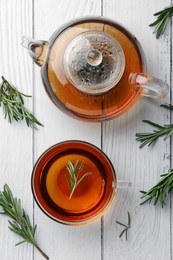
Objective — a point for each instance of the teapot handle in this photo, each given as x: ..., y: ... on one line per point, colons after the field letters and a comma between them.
x: 152, y: 87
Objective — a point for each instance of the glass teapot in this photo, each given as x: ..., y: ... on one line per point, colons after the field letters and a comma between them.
x: 94, y: 69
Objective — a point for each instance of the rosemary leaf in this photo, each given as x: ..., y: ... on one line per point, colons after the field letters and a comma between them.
x: 153, y: 124
x: 167, y: 106
x: 121, y: 224
x: 129, y: 219
x: 125, y: 230
x: 83, y: 176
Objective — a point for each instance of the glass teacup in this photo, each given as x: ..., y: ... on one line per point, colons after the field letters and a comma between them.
x: 93, y: 195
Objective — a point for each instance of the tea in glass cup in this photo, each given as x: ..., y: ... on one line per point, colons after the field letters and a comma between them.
x: 74, y: 182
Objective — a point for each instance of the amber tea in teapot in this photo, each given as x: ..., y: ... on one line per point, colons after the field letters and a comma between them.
x: 86, y: 67
x: 83, y: 103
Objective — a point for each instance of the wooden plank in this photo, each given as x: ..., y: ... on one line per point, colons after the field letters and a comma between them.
x: 62, y: 242
x: 15, y: 139
x: 149, y: 237
x: 171, y: 161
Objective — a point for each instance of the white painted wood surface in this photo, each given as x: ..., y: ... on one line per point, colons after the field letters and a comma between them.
x: 151, y: 235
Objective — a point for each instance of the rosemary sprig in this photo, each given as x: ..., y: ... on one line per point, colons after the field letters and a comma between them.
x: 13, y: 106
x: 127, y: 227
x: 73, y: 179
x: 159, y: 191
x: 20, y: 223
x: 167, y: 106
x: 162, y: 20
x: 151, y: 137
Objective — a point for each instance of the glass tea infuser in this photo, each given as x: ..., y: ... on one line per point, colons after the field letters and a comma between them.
x: 94, y: 69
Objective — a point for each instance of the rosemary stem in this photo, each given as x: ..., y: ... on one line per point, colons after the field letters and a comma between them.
x: 40, y: 250
x: 71, y: 193
x: 4, y: 80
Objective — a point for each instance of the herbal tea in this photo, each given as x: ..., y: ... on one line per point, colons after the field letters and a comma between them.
x: 94, y: 177
x: 94, y: 69
x: 86, y: 195
x: 69, y: 97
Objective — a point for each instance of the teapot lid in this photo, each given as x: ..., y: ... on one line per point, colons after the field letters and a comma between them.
x: 94, y: 62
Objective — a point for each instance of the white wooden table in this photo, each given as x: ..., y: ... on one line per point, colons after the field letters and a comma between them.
x: 151, y: 235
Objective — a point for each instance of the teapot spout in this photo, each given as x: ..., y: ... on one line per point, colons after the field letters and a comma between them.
x: 37, y: 49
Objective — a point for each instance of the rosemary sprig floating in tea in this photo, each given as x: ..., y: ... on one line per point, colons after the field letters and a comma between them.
x: 126, y: 227
x: 20, y: 223
x: 74, y: 179
x: 151, y: 137
x: 13, y: 106
x: 163, y: 17
x: 159, y: 191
